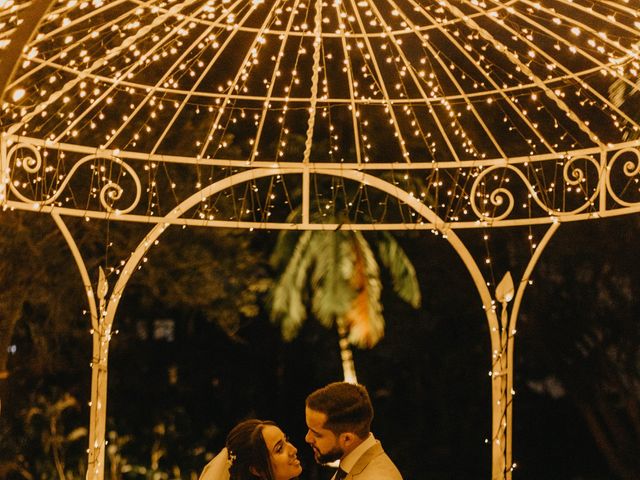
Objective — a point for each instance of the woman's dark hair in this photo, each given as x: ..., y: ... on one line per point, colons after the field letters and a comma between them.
x: 248, y: 453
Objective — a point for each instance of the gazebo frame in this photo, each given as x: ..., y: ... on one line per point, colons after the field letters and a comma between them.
x: 501, y: 306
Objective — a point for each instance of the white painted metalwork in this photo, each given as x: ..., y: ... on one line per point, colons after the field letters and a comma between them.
x: 397, y: 114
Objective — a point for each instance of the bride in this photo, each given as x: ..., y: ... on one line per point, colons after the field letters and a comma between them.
x: 254, y: 450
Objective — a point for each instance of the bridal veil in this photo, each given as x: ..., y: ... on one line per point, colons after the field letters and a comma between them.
x: 218, y: 468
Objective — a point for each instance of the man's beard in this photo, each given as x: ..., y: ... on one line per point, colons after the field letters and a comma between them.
x: 332, y: 455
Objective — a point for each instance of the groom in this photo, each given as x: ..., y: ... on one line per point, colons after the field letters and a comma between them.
x: 339, y: 419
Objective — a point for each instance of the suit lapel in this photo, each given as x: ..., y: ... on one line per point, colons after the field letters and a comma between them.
x: 364, y: 460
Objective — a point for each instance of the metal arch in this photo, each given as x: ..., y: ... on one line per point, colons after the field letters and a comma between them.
x: 501, y: 331
x: 98, y: 406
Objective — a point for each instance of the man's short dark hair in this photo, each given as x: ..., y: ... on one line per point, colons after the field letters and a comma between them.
x: 347, y: 407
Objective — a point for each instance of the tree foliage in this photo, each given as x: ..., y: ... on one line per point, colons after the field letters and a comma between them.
x: 217, y: 276
x: 338, y: 274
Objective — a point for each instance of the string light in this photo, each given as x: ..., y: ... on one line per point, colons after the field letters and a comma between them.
x: 358, y: 40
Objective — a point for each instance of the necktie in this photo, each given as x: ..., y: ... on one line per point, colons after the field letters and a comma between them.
x: 340, y: 474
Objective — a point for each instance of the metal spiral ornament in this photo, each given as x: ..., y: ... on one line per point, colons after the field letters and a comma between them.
x: 630, y: 169
x: 32, y: 164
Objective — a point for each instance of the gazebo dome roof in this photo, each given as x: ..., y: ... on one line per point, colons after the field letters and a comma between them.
x: 444, y: 90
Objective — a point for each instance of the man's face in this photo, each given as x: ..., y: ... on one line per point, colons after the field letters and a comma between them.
x: 326, y: 445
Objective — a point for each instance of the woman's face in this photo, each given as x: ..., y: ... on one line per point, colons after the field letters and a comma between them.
x: 284, y: 460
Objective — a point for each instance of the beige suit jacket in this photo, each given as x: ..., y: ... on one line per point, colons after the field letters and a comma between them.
x: 374, y: 464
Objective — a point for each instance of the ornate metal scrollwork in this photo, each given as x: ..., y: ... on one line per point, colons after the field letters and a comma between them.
x: 508, y: 192
x: 574, y: 175
x: 29, y: 158
x: 30, y: 164
x: 498, y: 195
x: 630, y: 169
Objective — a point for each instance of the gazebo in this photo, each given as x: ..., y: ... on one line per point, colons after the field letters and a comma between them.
x: 436, y: 116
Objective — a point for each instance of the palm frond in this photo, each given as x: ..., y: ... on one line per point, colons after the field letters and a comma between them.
x: 285, y: 244
x: 364, y: 320
x: 330, y: 282
x: 339, y: 271
x: 403, y: 274
x: 287, y: 296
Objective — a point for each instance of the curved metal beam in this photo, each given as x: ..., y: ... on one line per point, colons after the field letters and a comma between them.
x: 362, y: 177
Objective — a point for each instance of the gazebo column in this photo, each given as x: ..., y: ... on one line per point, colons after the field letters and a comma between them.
x: 101, y: 333
x: 501, y: 384
x: 502, y: 373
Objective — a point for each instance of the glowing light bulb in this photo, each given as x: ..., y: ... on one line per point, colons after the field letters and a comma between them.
x: 18, y: 94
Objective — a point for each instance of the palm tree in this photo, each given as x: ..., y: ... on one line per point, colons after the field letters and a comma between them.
x: 338, y: 272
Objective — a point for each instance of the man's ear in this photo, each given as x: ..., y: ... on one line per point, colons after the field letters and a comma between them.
x: 346, y: 439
